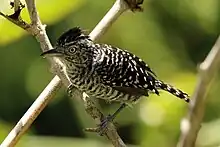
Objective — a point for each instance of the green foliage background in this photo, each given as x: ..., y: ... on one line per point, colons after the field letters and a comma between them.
x: 172, y: 36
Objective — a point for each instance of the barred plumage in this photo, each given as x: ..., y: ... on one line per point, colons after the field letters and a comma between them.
x: 107, y: 72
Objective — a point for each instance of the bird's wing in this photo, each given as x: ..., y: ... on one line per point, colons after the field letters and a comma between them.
x: 124, y: 71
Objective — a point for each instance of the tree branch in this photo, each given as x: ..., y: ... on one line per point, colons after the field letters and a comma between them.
x: 17, y: 22
x: 207, y: 70
x: 35, y: 20
x: 38, y: 30
x: 117, y: 9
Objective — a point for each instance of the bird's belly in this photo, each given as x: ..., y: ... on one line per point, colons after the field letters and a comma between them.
x: 109, y: 94
x: 94, y: 88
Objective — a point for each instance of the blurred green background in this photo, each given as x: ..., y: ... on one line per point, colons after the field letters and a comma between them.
x: 172, y: 36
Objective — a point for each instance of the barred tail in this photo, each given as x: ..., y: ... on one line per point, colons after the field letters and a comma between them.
x: 161, y: 85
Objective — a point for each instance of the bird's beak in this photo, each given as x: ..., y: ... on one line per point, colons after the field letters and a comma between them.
x: 53, y: 52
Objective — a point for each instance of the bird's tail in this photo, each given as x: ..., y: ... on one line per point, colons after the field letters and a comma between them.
x: 178, y: 93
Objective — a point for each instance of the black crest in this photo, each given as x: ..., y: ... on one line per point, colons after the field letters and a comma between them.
x: 71, y: 35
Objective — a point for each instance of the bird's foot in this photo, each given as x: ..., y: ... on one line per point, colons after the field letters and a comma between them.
x: 102, y: 127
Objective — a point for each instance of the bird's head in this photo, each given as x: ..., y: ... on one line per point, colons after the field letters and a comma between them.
x: 71, y: 47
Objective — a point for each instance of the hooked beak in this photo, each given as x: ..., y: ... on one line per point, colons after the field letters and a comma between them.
x: 53, y: 52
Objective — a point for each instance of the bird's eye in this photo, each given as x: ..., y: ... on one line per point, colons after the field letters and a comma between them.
x: 72, y: 50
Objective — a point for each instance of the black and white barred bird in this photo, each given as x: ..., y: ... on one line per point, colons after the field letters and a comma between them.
x: 107, y: 72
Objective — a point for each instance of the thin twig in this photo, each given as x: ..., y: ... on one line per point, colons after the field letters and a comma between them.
x: 117, y: 9
x: 19, y: 23
x: 207, y: 70
x: 38, y: 30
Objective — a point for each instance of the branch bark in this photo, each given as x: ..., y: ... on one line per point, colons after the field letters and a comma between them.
x: 192, y: 123
x: 37, y: 29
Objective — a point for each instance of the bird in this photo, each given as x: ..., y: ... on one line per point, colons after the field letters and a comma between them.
x: 106, y: 72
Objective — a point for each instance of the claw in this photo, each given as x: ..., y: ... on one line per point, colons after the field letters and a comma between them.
x: 102, y: 127
x: 109, y: 118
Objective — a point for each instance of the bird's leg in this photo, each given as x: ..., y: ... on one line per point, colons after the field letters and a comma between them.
x: 70, y: 90
x: 110, y: 118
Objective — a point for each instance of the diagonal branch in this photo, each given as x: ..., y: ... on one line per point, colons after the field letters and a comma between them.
x: 17, y: 22
x: 37, y: 29
x: 207, y: 70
